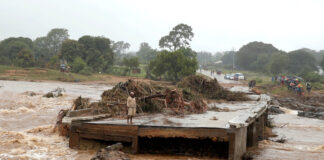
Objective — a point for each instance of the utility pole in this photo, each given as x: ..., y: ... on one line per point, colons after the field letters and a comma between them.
x: 233, y: 50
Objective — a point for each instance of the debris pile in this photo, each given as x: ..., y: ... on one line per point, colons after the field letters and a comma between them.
x: 80, y: 103
x: 155, y: 98
x: 30, y: 93
x: 311, y: 106
x: 112, y: 152
x: 194, y: 86
x: 55, y: 93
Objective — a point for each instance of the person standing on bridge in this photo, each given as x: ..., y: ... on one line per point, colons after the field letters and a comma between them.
x: 131, y: 107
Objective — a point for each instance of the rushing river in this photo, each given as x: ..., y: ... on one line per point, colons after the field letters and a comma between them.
x: 26, y: 124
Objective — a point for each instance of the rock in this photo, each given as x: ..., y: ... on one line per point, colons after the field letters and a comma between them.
x: 275, y: 110
x: 320, y: 115
x: 111, y: 152
x: 117, y: 146
x: 55, y: 93
x: 306, y: 114
x: 30, y: 93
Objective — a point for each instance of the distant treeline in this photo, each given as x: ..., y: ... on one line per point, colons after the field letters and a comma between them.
x: 87, y: 54
x: 93, y: 54
x: 265, y: 58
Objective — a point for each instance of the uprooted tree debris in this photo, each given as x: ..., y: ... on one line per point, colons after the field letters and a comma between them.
x: 188, y: 97
x: 199, y: 86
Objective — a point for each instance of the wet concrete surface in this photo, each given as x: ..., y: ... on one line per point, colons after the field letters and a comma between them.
x: 226, y: 112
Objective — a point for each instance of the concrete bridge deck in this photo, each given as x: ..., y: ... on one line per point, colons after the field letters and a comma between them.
x: 239, y: 125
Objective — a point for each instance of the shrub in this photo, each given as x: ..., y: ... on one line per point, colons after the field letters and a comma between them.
x: 86, y: 71
x: 78, y: 65
x: 258, y: 80
x: 312, y: 77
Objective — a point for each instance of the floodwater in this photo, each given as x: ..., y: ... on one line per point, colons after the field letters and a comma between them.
x: 305, y: 138
x: 26, y: 124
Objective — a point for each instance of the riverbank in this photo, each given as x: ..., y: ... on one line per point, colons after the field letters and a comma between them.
x: 42, y: 74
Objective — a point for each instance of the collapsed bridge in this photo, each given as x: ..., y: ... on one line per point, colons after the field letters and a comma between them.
x: 226, y: 133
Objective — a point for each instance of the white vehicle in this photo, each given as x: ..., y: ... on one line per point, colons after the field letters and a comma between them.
x: 231, y: 77
x: 239, y: 76
x: 227, y: 76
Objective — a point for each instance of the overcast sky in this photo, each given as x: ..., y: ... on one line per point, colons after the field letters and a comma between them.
x: 219, y: 25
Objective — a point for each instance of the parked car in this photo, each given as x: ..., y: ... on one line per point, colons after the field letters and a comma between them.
x: 232, y: 77
x: 239, y: 76
x: 227, y: 76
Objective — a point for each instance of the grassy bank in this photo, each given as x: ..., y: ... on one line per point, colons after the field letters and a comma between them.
x: 35, y: 74
x: 120, y: 71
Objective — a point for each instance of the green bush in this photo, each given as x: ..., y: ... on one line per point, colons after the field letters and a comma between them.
x: 312, y: 77
x: 322, y: 79
x: 78, y: 65
x: 258, y: 80
x: 86, y: 71
x: 317, y: 86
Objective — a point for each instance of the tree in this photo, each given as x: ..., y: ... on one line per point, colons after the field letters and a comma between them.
x: 131, y: 62
x: 41, y: 48
x: 249, y: 53
x: 279, y: 63
x: 178, y: 37
x: 120, y: 47
x: 173, y: 65
x: 100, y: 47
x: 54, y: 62
x: 55, y: 38
x: 25, y: 58
x: 10, y: 47
x: 261, y: 64
x: 95, y: 59
x: 205, y: 58
x: 41, y: 51
x: 227, y: 59
x: 300, y: 61
x: 146, y: 53
x: 322, y: 62
x: 70, y: 50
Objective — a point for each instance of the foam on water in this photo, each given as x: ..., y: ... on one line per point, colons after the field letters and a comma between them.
x: 26, y: 122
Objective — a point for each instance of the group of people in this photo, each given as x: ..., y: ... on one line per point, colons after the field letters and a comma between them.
x: 293, y: 84
x: 212, y: 72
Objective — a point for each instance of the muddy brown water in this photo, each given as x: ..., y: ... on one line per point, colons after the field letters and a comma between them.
x: 26, y: 124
